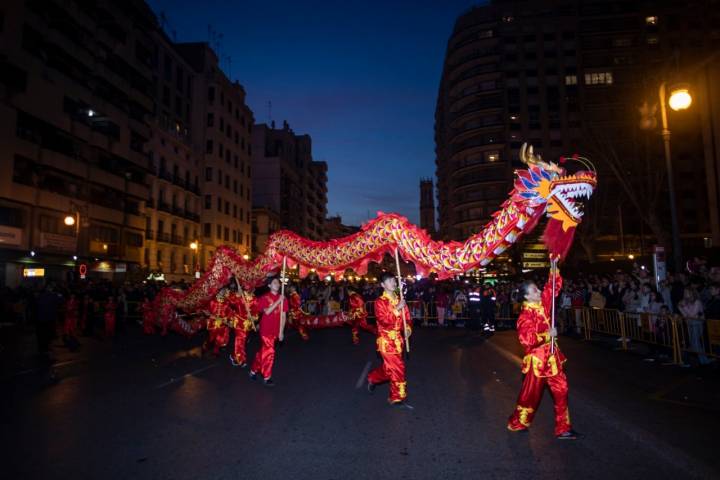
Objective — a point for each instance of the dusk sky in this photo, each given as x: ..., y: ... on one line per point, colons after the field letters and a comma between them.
x: 361, y: 78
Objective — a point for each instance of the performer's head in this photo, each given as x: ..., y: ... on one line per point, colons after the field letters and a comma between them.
x: 530, y: 291
x: 388, y: 281
x: 274, y: 283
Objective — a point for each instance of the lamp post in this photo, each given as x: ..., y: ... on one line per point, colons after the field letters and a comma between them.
x: 73, y: 219
x: 194, y: 248
x: 680, y: 99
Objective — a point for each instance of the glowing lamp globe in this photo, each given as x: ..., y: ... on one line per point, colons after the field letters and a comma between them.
x: 680, y: 99
x: 69, y: 220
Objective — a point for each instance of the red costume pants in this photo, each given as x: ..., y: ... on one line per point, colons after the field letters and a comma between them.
x: 529, y: 401
x: 70, y: 325
x: 148, y: 325
x: 265, y: 357
x: 392, y: 370
x: 239, y: 345
x: 217, y: 338
x: 109, y: 325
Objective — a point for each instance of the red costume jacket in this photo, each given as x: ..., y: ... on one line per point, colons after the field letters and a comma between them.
x: 533, y: 327
x: 391, y: 338
x: 270, y: 324
x: 219, y: 313
x: 358, y: 313
x: 242, y: 315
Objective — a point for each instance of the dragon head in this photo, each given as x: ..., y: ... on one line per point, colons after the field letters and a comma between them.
x: 547, y: 186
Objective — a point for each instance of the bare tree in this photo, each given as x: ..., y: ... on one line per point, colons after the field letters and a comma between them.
x: 639, y: 174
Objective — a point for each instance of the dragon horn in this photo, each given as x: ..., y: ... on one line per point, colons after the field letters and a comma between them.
x: 527, y: 156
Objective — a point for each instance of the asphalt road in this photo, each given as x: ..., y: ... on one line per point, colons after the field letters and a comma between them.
x: 150, y: 407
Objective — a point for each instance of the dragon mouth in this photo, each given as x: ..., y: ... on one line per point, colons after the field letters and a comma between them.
x: 570, y: 193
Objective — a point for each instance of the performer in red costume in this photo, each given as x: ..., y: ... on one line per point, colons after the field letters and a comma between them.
x: 242, y: 322
x: 540, y: 366
x: 218, y: 331
x: 296, y: 312
x: 272, y: 306
x: 358, y: 316
x: 391, y: 342
x: 71, y: 316
x: 149, y: 317
x: 109, y: 317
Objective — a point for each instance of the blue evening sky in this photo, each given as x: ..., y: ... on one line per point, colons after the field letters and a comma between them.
x: 360, y: 78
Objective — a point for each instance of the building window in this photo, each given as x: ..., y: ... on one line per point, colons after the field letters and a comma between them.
x: 210, y: 119
x: 235, y: 190
x: 209, y: 146
x: 208, y: 201
x: 242, y: 214
x: 652, y: 20
x: 570, y: 79
x: 227, y: 182
x: 218, y: 232
x: 208, y: 174
x: 219, y: 204
x: 492, y: 156
x: 234, y: 211
x: 227, y: 234
x: 220, y: 177
x: 221, y: 150
x: 211, y: 95
x: 227, y: 208
x: 599, y: 78
x: 207, y: 230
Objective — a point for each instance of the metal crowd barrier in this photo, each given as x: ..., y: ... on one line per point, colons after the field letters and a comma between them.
x: 681, y: 335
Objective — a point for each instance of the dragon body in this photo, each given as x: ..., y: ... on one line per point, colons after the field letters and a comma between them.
x: 543, y: 189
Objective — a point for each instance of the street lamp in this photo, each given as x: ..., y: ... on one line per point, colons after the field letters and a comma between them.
x: 680, y: 99
x: 194, y: 247
x: 70, y: 220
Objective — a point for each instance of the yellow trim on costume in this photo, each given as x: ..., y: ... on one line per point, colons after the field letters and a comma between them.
x: 524, y: 413
x: 531, y: 361
x: 402, y: 389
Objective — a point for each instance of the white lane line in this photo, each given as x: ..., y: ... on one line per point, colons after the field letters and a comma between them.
x: 650, y: 441
x: 363, y: 376
x: 189, y: 374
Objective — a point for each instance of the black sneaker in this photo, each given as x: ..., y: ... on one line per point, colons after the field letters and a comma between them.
x: 569, y: 435
x: 402, y: 405
x: 252, y: 375
x: 233, y: 362
x: 268, y: 382
x: 371, y: 387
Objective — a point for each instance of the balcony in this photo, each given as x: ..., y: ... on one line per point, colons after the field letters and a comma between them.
x: 149, y: 235
x: 163, y: 237
x: 179, y: 211
x: 176, y: 240
x: 179, y: 181
x: 163, y: 206
x: 165, y: 175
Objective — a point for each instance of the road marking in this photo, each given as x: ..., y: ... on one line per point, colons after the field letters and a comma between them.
x: 189, y: 374
x: 652, y: 442
x: 363, y: 376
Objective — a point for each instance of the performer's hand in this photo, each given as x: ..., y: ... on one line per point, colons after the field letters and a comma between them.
x: 553, y: 332
x: 401, y: 304
x: 408, y: 332
x: 281, y: 336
